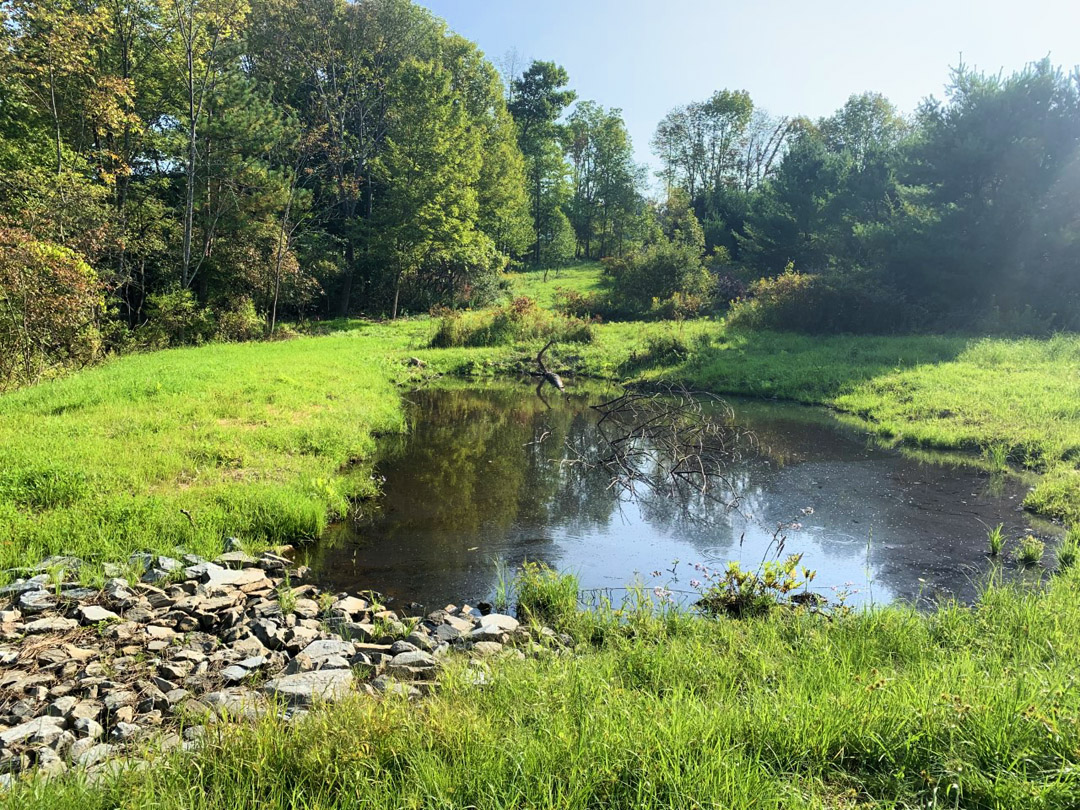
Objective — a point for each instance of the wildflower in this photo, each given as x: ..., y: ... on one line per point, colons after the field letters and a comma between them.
x: 695, y: 583
x: 656, y: 573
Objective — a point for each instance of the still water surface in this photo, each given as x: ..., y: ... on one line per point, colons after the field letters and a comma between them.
x: 483, y: 476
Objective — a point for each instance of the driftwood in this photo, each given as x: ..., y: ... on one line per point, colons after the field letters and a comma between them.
x: 546, y: 374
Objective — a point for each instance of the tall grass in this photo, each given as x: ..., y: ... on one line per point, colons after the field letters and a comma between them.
x: 545, y: 595
x: 996, y: 539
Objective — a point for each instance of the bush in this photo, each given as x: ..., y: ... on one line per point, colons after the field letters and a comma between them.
x: 50, y: 304
x: 240, y: 322
x: 800, y: 302
x: 546, y: 596
x: 175, y: 318
x: 657, y: 274
x: 520, y: 320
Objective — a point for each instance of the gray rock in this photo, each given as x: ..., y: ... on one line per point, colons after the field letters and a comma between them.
x: 89, y: 755
x: 305, y: 688
x: 417, y: 659
x: 234, y: 674
x: 36, y: 601
x: 255, y: 662
x: 62, y: 706
x: 92, y: 614
x: 85, y: 709
x: 389, y: 686
x: 235, y: 559
x: 49, y: 763
x: 325, y: 648
x: 334, y: 662
x: 117, y: 700
x: 125, y: 732
x: 487, y: 648
x: 237, y: 702
x: 399, y: 647
x: 87, y: 728
x: 421, y: 641
x: 41, y: 729
x: 350, y: 606
x: 20, y: 587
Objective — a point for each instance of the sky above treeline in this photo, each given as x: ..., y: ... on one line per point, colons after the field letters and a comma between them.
x: 794, y: 57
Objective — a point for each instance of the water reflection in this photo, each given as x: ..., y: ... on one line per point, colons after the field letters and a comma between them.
x: 485, y: 473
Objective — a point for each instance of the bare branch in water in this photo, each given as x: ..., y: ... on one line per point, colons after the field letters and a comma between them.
x: 673, y: 442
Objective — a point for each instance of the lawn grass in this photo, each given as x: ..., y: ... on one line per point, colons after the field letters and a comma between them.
x: 887, y: 708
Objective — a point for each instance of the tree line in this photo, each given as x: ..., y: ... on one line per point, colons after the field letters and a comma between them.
x: 177, y: 170
x: 965, y: 214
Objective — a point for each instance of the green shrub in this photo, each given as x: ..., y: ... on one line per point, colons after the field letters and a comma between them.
x: 175, y: 318
x: 801, y: 302
x: 239, y: 322
x: 643, y: 281
x: 520, y: 320
x: 50, y: 306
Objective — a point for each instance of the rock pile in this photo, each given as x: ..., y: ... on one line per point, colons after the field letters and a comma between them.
x: 89, y: 675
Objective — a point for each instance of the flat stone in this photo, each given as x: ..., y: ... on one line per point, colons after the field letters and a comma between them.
x: 487, y: 648
x: 506, y: 624
x: 62, y: 706
x: 41, y: 729
x: 37, y: 602
x: 235, y: 559
x: 237, y: 702
x: 234, y: 674
x: 116, y: 700
x: 52, y: 624
x: 92, y: 755
x: 416, y: 659
x: 400, y: 646
x: 92, y: 614
x: 124, y: 732
x: 305, y: 688
x: 324, y: 648
x: 350, y: 605
x: 255, y: 662
x: 19, y: 588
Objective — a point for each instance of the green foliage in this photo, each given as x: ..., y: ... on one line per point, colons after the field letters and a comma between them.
x: 884, y: 708
x: 799, y: 302
x: 1031, y: 551
x: 521, y: 320
x: 1068, y: 552
x: 996, y: 540
x: 742, y: 593
x: 545, y: 596
x: 50, y: 303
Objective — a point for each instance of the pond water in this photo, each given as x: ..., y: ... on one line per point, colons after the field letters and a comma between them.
x: 484, y: 476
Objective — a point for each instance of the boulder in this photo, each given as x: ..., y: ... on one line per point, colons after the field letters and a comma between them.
x: 305, y: 688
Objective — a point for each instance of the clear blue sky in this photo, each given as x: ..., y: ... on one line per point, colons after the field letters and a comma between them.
x: 646, y: 56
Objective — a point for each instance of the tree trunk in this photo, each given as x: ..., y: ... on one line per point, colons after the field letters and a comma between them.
x: 189, y: 169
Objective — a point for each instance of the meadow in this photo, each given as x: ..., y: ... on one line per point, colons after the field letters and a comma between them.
x: 964, y: 706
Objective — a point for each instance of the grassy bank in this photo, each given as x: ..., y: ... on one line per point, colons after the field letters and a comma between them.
x: 962, y: 708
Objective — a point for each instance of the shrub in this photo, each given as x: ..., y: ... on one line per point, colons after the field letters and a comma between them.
x: 239, y: 322
x: 801, y: 302
x: 657, y: 274
x: 50, y: 304
x: 1031, y: 551
x: 175, y: 318
x: 520, y: 320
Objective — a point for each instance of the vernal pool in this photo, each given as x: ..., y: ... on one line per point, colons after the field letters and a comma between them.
x: 487, y: 474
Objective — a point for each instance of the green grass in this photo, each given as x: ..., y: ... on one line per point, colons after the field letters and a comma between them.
x: 889, y: 708
x: 961, y: 708
x: 584, y: 277
x: 179, y: 449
